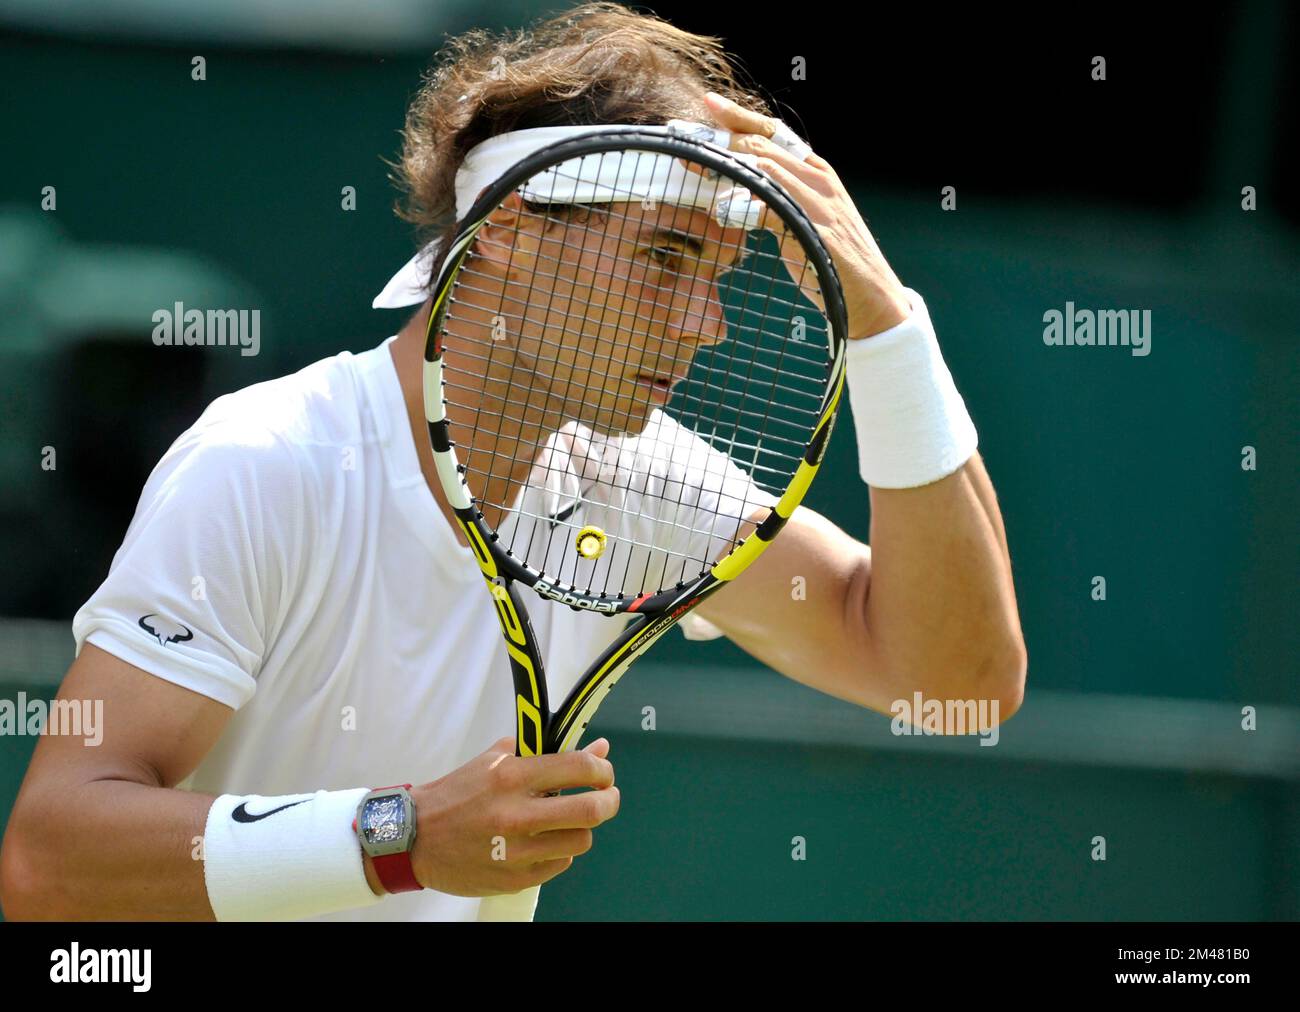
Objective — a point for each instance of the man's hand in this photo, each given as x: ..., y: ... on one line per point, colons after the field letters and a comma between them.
x: 497, y: 805
x: 873, y: 295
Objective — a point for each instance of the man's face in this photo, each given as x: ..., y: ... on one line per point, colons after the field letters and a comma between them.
x: 603, y: 309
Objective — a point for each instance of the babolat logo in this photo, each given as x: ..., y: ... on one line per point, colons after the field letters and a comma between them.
x: 548, y: 590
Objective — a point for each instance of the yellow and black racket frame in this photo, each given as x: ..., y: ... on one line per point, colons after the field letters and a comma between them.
x: 539, y: 730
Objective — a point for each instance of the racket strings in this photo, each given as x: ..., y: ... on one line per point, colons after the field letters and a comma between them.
x: 515, y: 506
x: 775, y: 476
x: 651, y: 548
x: 604, y: 307
x: 811, y: 395
x: 601, y: 323
x: 725, y: 403
x: 809, y: 289
x: 653, y: 555
x: 743, y: 310
x: 776, y: 259
x: 547, y: 313
x: 554, y: 281
x: 738, y: 414
x: 774, y: 371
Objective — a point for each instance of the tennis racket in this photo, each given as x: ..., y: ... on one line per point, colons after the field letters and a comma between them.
x: 632, y: 369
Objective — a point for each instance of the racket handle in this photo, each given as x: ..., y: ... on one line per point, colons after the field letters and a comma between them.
x: 519, y: 906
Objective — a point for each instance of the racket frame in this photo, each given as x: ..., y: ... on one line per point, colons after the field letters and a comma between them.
x: 538, y: 730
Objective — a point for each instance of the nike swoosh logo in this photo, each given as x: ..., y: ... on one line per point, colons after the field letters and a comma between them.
x: 242, y: 814
x: 564, y: 514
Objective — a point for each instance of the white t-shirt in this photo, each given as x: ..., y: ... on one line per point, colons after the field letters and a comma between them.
x: 288, y: 559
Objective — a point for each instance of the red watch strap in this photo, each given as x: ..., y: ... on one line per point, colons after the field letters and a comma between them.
x: 395, y: 873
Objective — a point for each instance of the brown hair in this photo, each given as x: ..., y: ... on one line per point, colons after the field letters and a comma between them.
x: 597, y: 63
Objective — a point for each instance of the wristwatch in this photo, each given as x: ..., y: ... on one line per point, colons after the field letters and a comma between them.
x: 385, y: 825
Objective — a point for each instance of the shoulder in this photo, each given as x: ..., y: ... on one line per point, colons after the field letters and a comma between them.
x: 689, y: 464
x: 321, y: 403
x: 295, y: 424
x: 265, y: 449
x: 667, y: 448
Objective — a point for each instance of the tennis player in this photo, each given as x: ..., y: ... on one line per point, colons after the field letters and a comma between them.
x: 305, y: 692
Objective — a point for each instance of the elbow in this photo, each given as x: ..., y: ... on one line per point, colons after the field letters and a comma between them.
x: 28, y: 881
x: 990, y: 681
x: 1002, y: 678
x: 991, y: 674
x: 18, y: 880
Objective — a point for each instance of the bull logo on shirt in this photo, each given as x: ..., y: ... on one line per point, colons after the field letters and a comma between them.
x: 165, y: 632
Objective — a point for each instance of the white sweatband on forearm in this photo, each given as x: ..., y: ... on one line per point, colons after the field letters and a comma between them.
x: 912, y: 425
x: 281, y: 859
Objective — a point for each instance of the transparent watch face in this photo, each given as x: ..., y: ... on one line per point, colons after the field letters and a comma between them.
x: 383, y: 820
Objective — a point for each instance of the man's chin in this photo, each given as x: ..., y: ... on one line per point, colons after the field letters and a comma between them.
x: 631, y: 422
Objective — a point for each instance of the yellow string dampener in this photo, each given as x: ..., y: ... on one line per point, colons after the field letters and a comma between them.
x: 590, y: 542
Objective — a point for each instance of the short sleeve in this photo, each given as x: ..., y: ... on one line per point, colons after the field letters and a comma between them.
x: 194, y: 589
x: 727, y: 496
x: 697, y: 627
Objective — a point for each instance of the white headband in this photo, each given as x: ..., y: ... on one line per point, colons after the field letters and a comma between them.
x: 589, y: 179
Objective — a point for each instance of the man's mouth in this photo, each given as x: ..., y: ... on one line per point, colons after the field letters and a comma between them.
x: 658, y: 385
x: 658, y: 380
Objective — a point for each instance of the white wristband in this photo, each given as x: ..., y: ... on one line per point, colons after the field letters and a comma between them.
x: 281, y: 859
x: 912, y: 425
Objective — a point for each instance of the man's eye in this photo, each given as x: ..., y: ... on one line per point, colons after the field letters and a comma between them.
x: 666, y: 256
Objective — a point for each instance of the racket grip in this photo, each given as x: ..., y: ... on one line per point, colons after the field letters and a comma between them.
x: 520, y: 906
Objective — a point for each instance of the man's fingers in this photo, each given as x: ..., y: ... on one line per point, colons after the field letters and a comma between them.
x: 737, y: 117
x: 527, y: 876
x: 804, y: 195
x: 585, y: 810
x: 560, y: 826
x: 559, y: 845
x: 755, y: 144
x: 598, y: 747
x: 740, y: 120
x: 546, y: 773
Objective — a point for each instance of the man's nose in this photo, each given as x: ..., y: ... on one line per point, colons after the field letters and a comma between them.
x: 701, y: 317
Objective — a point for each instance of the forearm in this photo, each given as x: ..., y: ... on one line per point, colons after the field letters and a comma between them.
x: 107, y: 850
x: 941, y: 607
x: 112, y: 850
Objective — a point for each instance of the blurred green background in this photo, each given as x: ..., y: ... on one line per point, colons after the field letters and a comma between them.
x: 1122, y: 194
